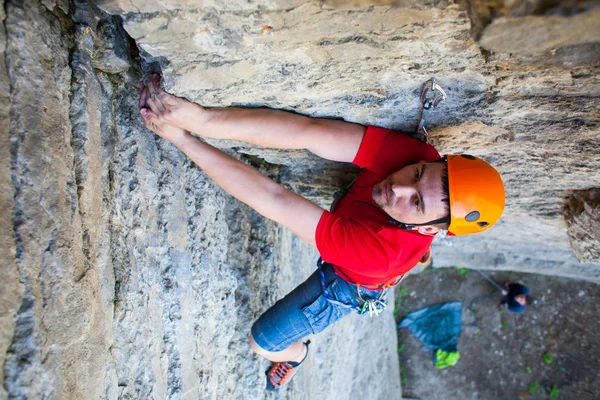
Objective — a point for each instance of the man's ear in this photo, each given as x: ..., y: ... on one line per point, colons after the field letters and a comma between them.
x: 428, y: 230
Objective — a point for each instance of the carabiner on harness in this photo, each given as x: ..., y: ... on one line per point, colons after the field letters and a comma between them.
x: 432, y: 95
x: 372, y: 306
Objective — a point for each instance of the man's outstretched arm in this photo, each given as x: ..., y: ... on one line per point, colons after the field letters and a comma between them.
x: 240, y: 180
x: 332, y: 139
x: 248, y: 185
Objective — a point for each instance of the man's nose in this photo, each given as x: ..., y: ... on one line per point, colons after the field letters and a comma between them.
x: 402, y: 190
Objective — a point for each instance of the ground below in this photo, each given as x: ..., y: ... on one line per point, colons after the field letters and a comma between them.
x: 552, y: 350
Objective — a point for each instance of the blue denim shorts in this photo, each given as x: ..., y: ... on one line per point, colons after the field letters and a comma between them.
x: 306, y: 311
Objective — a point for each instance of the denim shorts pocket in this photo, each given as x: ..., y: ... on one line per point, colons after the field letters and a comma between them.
x: 345, y: 292
x: 321, y: 313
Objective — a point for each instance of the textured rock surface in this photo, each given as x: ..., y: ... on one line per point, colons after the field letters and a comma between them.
x: 582, y: 212
x: 60, y: 324
x: 527, y: 35
x: 535, y: 116
x: 484, y: 12
x: 127, y: 274
x: 10, y: 288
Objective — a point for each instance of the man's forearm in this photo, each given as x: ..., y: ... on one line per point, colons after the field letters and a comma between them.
x: 259, y: 126
x: 253, y: 188
x: 236, y: 178
x: 332, y: 139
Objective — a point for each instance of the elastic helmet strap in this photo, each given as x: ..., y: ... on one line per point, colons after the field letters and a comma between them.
x: 409, y: 227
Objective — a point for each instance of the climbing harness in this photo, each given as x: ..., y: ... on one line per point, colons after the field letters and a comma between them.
x: 432, y: 95
x: 372, y: 306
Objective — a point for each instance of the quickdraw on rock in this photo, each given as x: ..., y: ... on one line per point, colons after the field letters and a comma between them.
x: 432, y: 95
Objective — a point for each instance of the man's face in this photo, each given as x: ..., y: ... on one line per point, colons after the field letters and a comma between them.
x: 413, y: 194
x: 521, y: 299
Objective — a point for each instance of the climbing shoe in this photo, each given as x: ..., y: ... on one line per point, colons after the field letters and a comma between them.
x: 281, y: 373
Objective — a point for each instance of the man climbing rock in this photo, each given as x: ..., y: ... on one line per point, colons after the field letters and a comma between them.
x: 404, y: 195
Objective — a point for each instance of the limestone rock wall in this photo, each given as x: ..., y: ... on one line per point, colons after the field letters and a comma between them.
x: 582, y: 213
x: 523, y: 96
x: 128, y: 274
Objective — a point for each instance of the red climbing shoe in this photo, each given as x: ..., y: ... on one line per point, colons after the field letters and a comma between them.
x: 281, y: 373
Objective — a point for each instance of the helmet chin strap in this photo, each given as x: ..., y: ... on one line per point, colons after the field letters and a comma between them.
x: 410, y: 227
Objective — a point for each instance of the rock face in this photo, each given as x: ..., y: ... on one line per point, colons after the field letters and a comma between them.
x: 524, y: 97
x: 128, y: 274
x: 582, y: 213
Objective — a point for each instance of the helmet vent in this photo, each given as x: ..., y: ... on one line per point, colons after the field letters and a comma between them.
x: 468, y: 156
x: 472, y: 216
x: 483, y: 224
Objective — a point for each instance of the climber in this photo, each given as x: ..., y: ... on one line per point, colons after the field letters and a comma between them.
x: 404, y: 195
x: 515, y: 297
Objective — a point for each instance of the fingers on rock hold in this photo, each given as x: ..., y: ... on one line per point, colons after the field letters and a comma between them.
x: 148, y: 113
x: 154, y: 83
x: 156, y: 78
x: 143, y: 96
x: 156, y: 105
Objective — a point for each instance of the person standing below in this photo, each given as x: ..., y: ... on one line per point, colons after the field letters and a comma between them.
x: 404, y: 195
x: 515, y: 297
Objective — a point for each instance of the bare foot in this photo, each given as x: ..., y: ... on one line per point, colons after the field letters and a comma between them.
x: 173, y: 134
x: 170, y: 109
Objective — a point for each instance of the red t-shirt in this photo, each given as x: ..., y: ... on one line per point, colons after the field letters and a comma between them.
x: 357, y: 237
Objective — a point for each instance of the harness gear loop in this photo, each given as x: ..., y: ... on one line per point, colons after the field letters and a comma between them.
x: 432, y: 95
x: 372, y: 306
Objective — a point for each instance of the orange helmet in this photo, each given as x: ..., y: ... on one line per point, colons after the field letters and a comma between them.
x: 476, y: 194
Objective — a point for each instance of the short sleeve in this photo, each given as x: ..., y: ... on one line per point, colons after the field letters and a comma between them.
x: 384, y: 150
x: 369, y: 146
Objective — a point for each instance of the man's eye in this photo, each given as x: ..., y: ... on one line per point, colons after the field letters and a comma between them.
x: 417, y: 204
x: 416, y: 174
